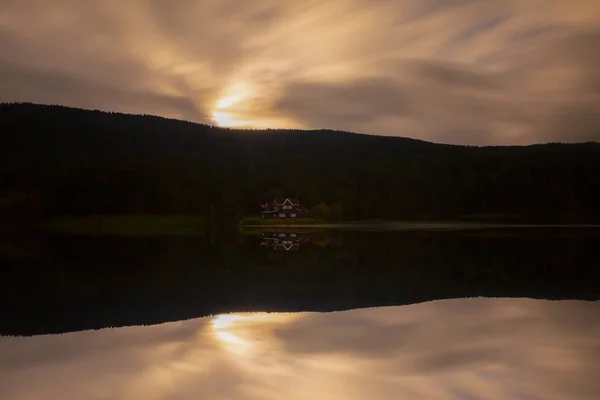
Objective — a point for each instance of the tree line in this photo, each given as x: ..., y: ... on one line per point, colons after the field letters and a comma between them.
x: 57, y: 160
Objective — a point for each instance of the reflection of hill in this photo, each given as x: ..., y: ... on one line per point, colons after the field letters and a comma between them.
x: 81, y: 283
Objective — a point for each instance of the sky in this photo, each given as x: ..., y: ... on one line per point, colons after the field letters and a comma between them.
x: 466, y: 349
x: 451, y: 71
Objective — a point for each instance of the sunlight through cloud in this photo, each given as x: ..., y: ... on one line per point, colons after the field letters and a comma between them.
x: 462, y: 72
x: 224, y: 113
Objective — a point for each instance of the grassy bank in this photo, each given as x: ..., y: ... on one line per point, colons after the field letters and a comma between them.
x: 259, y: 230
x: 542, y: 218
x: 131, y: 225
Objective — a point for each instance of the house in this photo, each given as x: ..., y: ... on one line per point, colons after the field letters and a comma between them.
x: 283, y: 207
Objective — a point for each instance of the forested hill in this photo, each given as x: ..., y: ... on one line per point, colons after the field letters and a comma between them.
x: 63, y: 161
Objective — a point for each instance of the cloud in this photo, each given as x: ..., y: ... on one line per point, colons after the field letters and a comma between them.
x: 329, y: 105
x: 565, y: 81
x: 26, y: 84
x: 457, y: 71
x: 324, y: 335
x: 50, y: 348
x: 433, y: 101
x: 551, y: 95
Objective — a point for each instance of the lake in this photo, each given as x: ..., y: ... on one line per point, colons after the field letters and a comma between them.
x: 60, y: 283
x: 431, y: 313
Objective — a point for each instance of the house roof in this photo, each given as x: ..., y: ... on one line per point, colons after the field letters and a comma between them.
x: 287, y: 201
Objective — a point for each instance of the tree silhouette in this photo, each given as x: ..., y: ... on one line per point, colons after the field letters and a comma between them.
x: 81, y: 162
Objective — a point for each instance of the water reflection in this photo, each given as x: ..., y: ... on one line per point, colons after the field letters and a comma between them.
x: 283, y: 241
x: 451, y: 349
x: 54, y: 284
x: 246, y: 333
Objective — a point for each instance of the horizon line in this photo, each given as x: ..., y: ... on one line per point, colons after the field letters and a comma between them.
x: 255, y: 130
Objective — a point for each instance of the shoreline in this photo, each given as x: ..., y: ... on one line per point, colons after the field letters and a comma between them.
x: 408, y: 225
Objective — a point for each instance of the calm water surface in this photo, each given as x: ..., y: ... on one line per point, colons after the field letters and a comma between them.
x: 63, y: 283
x: 488, y: 349
x: 211, y: 306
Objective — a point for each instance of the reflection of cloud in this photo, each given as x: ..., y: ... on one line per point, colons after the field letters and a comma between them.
x: 466, y: 71
x: 473, y: 348
x: 248, y: 334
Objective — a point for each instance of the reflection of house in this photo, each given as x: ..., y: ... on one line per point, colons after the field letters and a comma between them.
x: 283, y: 241
x: 284, y: 207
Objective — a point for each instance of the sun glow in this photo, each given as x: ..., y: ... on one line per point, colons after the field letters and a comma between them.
x: 246, y: 105
x: 226, y: 109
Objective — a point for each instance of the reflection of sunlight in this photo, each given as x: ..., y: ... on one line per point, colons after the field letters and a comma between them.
x: 493, y: 349
x: 224, y: 325
x: 244, y: 333
x: 227, y: 320
x: 236, y: 343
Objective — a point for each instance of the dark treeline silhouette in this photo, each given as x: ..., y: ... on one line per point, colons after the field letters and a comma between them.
x: 63, y: 161
x: 61, y: 283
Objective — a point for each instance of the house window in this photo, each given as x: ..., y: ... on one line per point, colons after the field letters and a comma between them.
x: 293, y: 215
x: 282, y: 215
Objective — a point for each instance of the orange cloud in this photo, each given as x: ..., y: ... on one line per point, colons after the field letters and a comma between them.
x: 186, y: 59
